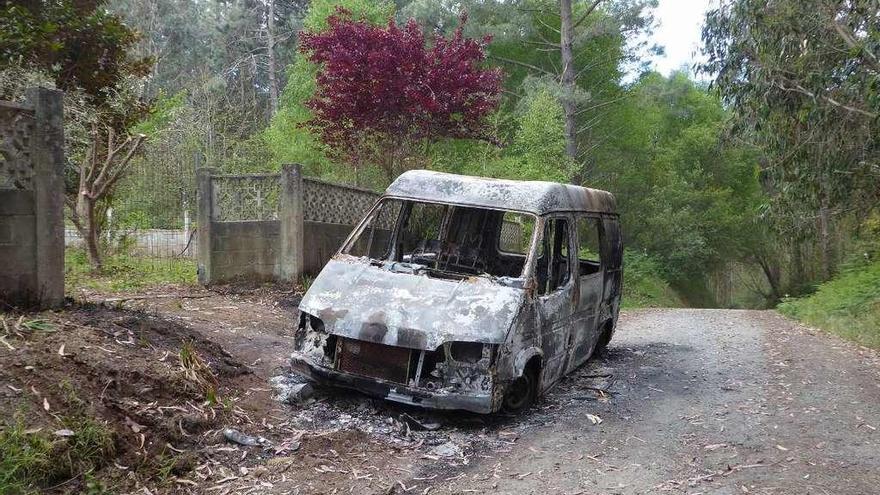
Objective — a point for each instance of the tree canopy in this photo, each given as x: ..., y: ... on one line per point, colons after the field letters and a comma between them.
x: 381, y: 89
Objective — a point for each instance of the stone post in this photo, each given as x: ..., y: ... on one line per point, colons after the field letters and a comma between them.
x: 290, y: 213
x: 205, y: 218
x: 47, y: 154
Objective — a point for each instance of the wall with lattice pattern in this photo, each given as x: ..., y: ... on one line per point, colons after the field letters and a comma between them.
x: 239, y: 198
x: 31, y: 201
x: 16, y: 127
x: 324, y: 202
x: 280, y: 226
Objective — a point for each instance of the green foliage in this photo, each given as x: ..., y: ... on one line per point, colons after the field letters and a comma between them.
x: 685, y: 195
x: 801, y: 78
x: 162, y: 115
x: 31, y: 459
x: 643, y: 283
x: 287, y: 138
x: 24, y: 458
x: 848, y: 305
x: 538, y: 148
x: 124, y: 272
x: 79, y: 43
x: 376, y: 12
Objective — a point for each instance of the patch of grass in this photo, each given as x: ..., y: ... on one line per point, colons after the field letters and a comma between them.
x: 305, y: 282
x: 31, y: 460
x: 24, y: 458
x: 643, y: 284
x: 123, y: 272
x: 848, y: 305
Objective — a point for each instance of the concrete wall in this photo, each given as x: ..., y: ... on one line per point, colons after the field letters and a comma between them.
x: 245, y: 250
x: 322, y: 242
x: 32, y: 200
x: 18, y: 241
x: 310, y: 221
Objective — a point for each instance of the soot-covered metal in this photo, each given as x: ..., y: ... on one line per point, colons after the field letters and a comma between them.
x: 465, y: 293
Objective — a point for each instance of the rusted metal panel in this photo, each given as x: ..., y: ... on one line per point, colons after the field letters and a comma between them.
x: 374, y: 360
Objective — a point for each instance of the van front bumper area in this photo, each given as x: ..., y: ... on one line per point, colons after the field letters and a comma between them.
x: 375, y: 387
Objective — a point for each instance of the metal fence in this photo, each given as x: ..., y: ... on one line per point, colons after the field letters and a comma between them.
x: 151, y: 215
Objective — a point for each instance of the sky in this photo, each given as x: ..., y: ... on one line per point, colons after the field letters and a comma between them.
x: 680, y: 22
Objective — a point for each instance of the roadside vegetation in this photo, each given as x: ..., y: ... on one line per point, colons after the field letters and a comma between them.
x: 124, y: 272
x: 644, y: 285
x: 849, y: 304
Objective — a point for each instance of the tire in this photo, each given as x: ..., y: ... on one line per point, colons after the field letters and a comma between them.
x: 522, y: 392
x: 602, y: 346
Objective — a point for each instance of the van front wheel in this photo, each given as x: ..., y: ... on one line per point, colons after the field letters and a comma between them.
x: 522, y: 392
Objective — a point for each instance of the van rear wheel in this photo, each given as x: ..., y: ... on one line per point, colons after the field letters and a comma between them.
x: 522, y: 392
x: 604, y: 339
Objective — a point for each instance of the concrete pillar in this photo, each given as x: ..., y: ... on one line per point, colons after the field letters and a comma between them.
x: 289, y: 266
x: 47, y: 154
x: 205, y: 218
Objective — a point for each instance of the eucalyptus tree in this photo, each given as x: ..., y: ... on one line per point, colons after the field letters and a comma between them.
x: 577, y: 50
x: 803, y: 80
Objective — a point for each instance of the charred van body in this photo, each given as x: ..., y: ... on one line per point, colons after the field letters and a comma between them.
x: 467, y: 293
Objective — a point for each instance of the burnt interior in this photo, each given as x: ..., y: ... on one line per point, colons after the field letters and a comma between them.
x: 452, y: 241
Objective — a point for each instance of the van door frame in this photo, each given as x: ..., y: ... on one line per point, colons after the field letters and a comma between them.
x: 585, y: 330
x: 556, y: 310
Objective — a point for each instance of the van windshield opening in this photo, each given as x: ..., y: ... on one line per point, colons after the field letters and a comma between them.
x: 448, y: 241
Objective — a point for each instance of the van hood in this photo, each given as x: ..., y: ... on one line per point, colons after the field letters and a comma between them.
x: 357, y: 300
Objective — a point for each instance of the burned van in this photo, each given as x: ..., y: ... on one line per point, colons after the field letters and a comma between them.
x: 469, y: 293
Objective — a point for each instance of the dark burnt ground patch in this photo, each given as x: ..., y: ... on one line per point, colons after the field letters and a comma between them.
x: 118, y: 372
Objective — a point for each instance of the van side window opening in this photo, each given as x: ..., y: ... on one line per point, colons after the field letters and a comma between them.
x: 553, y: 268
x: 451, y: 241
x: 589, y: 245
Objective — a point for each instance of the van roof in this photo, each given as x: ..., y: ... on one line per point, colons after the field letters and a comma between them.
x: 536, y: 197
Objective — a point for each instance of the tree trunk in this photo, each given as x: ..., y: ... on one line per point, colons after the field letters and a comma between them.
x: 88, y: 229
x: 569, y: 105
x: 825, y: 239
x: 772, y: 273
x: 273, y: 80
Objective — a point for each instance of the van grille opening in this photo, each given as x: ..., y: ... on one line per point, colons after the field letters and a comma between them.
x: 373, y: 360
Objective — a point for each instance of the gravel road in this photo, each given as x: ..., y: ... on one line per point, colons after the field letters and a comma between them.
x: 703, y: 401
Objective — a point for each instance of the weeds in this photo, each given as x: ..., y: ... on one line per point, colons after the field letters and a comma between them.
x: 32, y: 459
x: 305, y: 282
x: 197, y: 371
x: 24, y: 457
x: 123, y: 272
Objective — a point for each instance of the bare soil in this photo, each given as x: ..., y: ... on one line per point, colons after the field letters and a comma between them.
x: 686, y: 401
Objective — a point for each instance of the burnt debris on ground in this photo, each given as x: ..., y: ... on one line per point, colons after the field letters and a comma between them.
x: 177, y: 395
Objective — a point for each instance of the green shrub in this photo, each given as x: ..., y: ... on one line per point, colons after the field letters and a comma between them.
x: 643, y: 283
x: 848, y: 305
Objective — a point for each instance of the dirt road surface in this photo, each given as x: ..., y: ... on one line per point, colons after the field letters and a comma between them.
x: 705, y: 401
x: 685, y: 401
